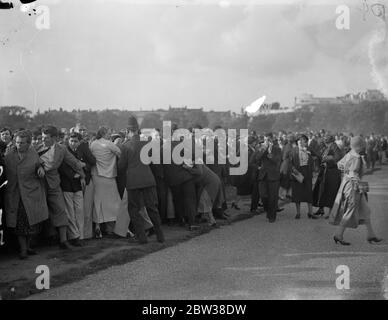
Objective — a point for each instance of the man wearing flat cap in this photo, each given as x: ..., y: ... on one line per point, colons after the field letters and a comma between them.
x: 140, y: 184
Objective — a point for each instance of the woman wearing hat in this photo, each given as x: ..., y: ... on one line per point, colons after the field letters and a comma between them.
x: 302, y: 190
x: 351, y: 207
x: 329, y: 177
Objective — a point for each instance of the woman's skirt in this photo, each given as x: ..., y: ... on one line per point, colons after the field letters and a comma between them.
x: 23, y: 227
x: 107, y: 200
x: 303, y: 192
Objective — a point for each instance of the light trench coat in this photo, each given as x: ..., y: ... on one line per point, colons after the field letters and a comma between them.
x: 351, y: 205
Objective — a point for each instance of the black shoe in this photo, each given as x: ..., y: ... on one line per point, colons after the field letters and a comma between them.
x: 374, y: 240
x: 297, y: 217
x: 76, y: 243
x: 341, y: 241
x: 65, y: 246
x: 319, y: 212
x: 31, y: 252
x: 214, y: 225
x: 311, y: 216
x: 23, y: 255
x: 271, y: 220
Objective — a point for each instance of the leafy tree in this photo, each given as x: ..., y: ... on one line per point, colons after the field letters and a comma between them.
x: 15, y: 117
x: 284, y: 121
x: 262, y: 123
x: 151, y: 120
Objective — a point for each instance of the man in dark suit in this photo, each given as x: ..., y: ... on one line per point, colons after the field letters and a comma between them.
x: 268, y: 157
x: 140, y: 184
x: 183, y: 187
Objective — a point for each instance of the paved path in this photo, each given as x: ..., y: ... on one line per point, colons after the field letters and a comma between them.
x: 252, y: 259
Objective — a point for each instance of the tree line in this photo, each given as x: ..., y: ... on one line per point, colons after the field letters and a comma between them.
x: 364, y: 118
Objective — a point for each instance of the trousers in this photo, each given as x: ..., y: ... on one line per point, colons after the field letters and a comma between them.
x: 137, y: 199
x: 75, y: 214
x: 269, y: 193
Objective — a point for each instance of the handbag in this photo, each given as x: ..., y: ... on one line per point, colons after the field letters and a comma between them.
x: 297, y: 175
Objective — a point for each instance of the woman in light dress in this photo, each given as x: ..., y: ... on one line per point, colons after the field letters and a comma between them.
x: 107, y: 200
x: 351, y: 205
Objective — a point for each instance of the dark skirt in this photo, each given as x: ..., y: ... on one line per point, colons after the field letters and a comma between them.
x: 303, y: 192
x: 23, y: 227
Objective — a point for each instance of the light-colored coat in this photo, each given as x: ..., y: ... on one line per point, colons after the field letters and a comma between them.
x: 23, y: 183
x: 106, y: 153
x: 350, y: 207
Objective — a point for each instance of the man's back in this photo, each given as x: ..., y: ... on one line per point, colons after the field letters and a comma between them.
x: 139, y: 175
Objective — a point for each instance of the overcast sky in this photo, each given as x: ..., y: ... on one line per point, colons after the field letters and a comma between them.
x: 219, y: 55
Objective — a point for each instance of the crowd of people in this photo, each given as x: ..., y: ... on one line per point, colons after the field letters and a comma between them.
x: 76, y: 185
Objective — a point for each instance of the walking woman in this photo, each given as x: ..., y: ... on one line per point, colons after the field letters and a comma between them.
x: 106, y: 195
x: 25, y: 200
x: 351, y: 207
x: 302, y: 162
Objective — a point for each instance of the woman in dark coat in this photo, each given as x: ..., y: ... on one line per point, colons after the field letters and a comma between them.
x: 302, y: 161
x: 329, y: 177
x: 25, y: 200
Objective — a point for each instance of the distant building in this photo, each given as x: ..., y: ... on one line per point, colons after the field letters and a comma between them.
x: 308, y: 100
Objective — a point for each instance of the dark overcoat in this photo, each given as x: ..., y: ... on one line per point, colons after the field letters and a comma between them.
x: 329, y: 178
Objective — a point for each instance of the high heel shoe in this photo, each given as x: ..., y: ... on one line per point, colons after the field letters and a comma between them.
x: 235, y: 206
x: 311, y: 216
x: 341, y: 241
x: 374, y: 240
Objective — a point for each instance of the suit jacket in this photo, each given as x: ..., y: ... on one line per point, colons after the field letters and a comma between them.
x: 85, y: 155
x: 61, y: 154
x: 138, y: 175
x: 175, y: 174
x: 67, y: 173
x: 269, y: 163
